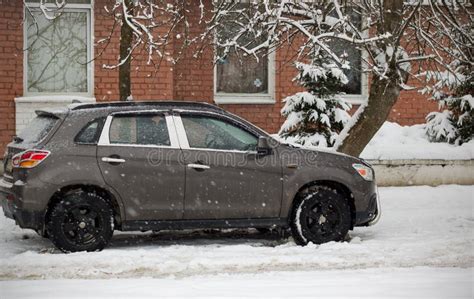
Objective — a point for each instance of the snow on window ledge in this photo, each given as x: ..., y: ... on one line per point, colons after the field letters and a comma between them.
x: 240, y: 98
x: 55, y: 99
x: 355, y: 99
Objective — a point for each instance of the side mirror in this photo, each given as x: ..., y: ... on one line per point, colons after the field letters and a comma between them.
x: 263, y: 145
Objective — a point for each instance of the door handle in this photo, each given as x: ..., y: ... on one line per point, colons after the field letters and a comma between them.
x: 198, y: 166
x: 113, y: 160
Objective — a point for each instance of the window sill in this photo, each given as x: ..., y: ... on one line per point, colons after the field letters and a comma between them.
x: 355, y: 99
x: 237, y: 98
x: 59, y: 99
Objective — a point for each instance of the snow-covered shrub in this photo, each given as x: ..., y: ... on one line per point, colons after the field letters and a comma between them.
x: 316, y: 116
x: 454, y: 94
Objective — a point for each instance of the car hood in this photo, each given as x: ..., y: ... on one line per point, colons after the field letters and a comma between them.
x: 326, y: 155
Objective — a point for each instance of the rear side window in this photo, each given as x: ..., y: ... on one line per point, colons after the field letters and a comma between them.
x: 91, y: 132
x: 139, y: 129
x: 37, y: 129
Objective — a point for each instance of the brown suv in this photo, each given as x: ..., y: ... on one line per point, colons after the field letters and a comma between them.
x: 77, y: 174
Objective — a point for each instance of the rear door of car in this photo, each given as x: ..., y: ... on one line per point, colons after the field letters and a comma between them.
x: 225, y: 176
x: 139, y: 156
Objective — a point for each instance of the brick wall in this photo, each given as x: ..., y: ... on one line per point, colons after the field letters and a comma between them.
x: 412, y: 107
x: 11, y: 67
x: 193, y: 77
x: 189, y: 79
x: 148, y: 82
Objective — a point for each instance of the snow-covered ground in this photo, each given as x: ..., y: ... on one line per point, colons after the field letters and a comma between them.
x: 416, y: 283
x: 395, y: 142
x: 422, y: 247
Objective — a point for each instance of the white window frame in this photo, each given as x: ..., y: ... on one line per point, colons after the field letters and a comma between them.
x: 249, y: 98
x: 363, y: 97
x: 72, y: 7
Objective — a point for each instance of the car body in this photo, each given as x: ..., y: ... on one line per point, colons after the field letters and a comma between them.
x: 172, y: 165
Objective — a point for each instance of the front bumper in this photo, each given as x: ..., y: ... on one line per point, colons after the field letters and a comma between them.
x: 370, y: 215
x: 378, y: 211
x: 11, y: 209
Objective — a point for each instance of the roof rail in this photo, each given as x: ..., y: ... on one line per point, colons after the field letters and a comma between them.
x: 178, y: 104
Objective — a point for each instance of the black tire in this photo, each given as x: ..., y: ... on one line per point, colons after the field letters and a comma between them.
x: 321, y: 215
x: 81, y: 221
x: 42, y: 233
x: 263, y: 230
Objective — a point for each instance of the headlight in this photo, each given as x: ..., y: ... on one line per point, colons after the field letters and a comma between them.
x: 364, y: 171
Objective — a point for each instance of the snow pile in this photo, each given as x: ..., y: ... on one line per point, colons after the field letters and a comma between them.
x: 420, y: 227
x: 395, y: 142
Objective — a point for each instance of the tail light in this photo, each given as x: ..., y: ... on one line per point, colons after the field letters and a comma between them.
x: 29, y: 158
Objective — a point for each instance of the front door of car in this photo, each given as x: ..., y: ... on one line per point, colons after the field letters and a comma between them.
x: 225, y: 177
x: 139, y: 156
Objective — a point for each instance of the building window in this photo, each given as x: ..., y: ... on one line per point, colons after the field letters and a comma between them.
x: 243, y: 79
x: 242, y: 74
x: 354, y: 74
x: 357, y: 88
x: 58, y: 50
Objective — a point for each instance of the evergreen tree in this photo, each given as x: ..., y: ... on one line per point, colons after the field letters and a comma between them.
x: 316, y: 116
x: 454, y: 94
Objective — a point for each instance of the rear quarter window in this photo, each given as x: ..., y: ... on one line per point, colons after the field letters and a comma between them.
x: 91, y: 132
x: 37, y: 129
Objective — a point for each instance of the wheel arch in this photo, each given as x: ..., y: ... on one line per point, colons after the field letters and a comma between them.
x: 103, y: 192
x: 326, y: 183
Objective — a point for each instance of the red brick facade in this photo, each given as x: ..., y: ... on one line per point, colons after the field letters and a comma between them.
x: 11, y: 67
x: 189, y: 79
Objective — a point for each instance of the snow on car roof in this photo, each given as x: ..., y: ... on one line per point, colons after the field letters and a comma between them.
x: 139, y: 105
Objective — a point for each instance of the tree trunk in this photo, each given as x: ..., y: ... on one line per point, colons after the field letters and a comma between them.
x: 383, y: 95
x: 126, y: 35
x: 383, y: 92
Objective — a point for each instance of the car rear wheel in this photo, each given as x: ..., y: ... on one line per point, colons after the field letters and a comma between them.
x: 322, y: 215
x: 81, y: 221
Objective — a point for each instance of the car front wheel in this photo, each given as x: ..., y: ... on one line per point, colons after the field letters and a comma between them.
x: 322, y: 215
x: 81, y: 221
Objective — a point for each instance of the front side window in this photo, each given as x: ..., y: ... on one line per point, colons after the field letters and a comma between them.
x: 211, y: 133
x: 57, y: 51
x: 140, y: 130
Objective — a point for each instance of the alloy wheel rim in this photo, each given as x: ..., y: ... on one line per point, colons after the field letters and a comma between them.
x: 322, y: 219
x: 81, y: 225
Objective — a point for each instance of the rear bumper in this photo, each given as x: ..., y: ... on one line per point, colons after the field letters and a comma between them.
x: 11, y: 209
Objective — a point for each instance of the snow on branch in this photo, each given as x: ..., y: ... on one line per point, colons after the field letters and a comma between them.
x: 154, y: 26
x: 404, y: 42
x: 258, y: 26
x: 422, y: 34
